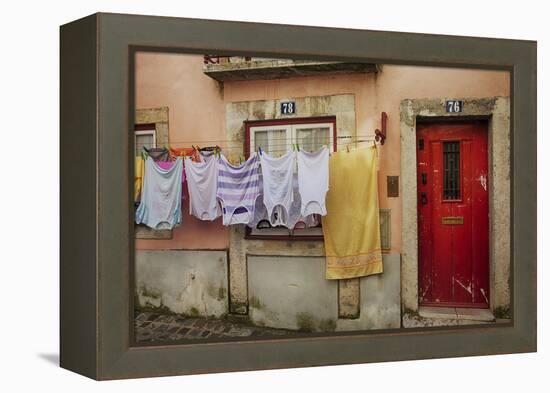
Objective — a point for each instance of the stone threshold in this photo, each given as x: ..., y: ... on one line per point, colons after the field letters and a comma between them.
x: 457, y: 313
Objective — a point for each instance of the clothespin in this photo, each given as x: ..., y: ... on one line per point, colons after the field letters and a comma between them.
x: 347, y: 147
x: 260, y: 150
x: 297, y: 147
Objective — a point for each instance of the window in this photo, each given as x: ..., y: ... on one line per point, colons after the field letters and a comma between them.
x: 274, y: 140
x: 276, y: 137
x: 144, y: 136
x: 451, y: 170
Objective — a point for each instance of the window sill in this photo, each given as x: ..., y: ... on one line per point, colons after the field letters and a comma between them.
x: 143, y: 232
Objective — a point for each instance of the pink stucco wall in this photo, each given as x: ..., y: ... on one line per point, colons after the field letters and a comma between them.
x: 196, y: 116
x: 197, y: 113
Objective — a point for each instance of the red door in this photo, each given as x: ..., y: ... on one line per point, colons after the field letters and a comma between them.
x: 453, y: 214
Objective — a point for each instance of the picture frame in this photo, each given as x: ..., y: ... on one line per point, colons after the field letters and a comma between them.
x: 97, y: 250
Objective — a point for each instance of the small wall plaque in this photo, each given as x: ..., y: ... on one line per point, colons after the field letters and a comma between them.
x: 454, y: 106
x: 393, y: 186
x: 288, y: 108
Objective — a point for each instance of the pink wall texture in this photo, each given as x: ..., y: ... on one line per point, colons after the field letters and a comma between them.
x: 197, y: 113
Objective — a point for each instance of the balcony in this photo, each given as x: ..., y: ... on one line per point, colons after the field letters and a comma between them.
x: 233, y: 68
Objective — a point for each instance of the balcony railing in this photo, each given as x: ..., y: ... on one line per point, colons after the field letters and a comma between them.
x: 236, y: 68
x: 209, y: 59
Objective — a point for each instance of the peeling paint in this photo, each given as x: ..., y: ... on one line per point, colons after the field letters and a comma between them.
x: 483, y: 181
x: 482, y: 290
x: 466, y: 288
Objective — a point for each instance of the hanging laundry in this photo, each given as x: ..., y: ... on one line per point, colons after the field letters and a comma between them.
x: 260, y: 212
x: 295, y: 218
x: 277, y: 174
x: 158, y: 153
x: 202, y: 183
x: 238, y: 189
x: 160, y: 206
x: 351, y: 227
x: 313, y: 180
x: 207, y: 154
x: 139, y: 168
x: 166, y: 165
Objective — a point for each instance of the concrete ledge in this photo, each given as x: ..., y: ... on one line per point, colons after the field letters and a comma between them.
x: 437, y: 312
x: 475, y: 314
x: 448, y: 316
x: 282, y: 68
x: 143, y: 232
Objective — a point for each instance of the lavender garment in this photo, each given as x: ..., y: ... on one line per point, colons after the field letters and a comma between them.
x: 238, y: 189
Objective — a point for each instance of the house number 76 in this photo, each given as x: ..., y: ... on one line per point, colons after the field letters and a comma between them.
x: 454, y: 106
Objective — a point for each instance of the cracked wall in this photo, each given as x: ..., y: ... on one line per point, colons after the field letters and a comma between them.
x: 184, y: 282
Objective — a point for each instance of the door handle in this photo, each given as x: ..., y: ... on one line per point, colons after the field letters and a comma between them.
x: 424, y: 178
x: 423, y: 198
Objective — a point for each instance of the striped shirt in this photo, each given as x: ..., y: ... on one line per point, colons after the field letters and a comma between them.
x: 238, y: 189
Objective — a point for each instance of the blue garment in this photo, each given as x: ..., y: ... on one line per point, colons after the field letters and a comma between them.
x: 160, y: 206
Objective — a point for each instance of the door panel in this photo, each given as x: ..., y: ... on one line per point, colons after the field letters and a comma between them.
x: 453, y: 218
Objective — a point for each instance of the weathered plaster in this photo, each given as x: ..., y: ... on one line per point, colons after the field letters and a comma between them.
x: 342, y: 106
x: 349, y: 298
x: 497, y: 109
x: 380, y: 299
x: 242, y: 248
x: 291, y: 292
x: 184, y: 282
x: 157, y: 116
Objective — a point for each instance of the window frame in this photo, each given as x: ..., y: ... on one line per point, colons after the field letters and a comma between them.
x: 144, y: 129
x: 289, y: 122
x: 460, y: 171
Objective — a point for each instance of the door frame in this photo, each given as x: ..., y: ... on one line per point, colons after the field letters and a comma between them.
x: 496, y: 110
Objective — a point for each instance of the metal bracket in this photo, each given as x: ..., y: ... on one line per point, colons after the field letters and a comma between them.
x: 380, y: 135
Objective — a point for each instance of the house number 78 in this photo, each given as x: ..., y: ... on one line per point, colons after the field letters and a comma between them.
x: 288, y: 108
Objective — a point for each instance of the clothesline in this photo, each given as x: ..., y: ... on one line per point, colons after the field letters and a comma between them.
x: 239, y: 146
x: 277, y: 148
x: 368, y: 138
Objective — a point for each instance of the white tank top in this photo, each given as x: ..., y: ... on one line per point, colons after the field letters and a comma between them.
x: 202, y: 183
x: 278, y: 194
x: 160, y: 206
x: 313, y: 180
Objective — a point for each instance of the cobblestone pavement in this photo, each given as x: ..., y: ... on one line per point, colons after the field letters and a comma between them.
x: 155, y: 327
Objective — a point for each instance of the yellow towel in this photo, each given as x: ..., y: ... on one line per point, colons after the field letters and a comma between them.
x: 351, y: 227
x: 139, y: 168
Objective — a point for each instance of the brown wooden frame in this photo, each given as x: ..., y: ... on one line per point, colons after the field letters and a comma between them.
x: 96, y: 266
